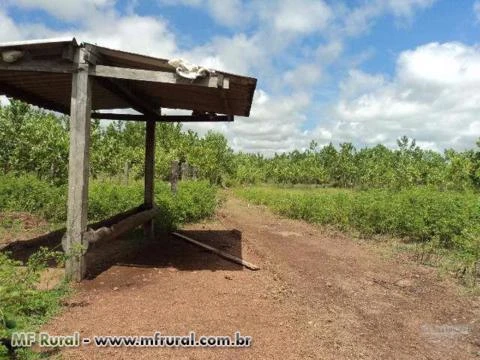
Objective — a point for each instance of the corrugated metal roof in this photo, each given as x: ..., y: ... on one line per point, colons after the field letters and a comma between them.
x: 52, y: 89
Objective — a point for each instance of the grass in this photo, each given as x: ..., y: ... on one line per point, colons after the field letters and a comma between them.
x: 441, y: 224
x: 25, y: 305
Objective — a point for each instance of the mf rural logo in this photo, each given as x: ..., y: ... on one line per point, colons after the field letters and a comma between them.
x: 43, y: 339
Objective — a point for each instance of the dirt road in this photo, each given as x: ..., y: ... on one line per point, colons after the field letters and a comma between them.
x: 319, y: 295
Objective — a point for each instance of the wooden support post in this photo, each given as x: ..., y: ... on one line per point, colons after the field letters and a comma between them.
x: 78, y: 169
x: 149, y: 175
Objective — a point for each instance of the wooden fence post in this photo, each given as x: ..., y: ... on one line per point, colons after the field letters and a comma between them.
x: 126, y: 172
x: 149, y: 194
x: 78, y: 169
x: 174, y: 176
x: 184, y: 170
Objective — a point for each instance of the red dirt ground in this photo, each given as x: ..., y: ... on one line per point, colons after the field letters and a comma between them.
x: 20, y: 226
x: 319, y: 295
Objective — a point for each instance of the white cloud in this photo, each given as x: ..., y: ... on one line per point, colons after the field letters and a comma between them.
x: 359, y: 19
x: 406, y: 8
x: 182, y: 2
x: 299, y: 16
x: 143, y: 34
x: 9, y: 30
x: 327, y: 53
x: 237, y: 54
x: 228, y: 12
x: 476, y: 10
x: 274, y: 125
x: 303, y: 76
x: 433, y: 97
x: 359, y: 82
x: 103, y: 26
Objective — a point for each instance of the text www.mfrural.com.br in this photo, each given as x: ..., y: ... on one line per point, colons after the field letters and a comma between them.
x: 43, y: 339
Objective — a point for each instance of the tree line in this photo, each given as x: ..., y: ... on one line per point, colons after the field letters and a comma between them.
x: 35, y: 141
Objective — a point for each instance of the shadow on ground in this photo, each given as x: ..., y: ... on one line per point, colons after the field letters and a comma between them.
x: 132, y: 250
x: 166, y: 251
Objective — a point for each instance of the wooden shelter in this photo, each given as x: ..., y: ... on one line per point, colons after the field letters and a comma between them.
x: 83, y: 80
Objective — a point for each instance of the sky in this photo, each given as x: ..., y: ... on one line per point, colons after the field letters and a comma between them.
x: 360, y: 71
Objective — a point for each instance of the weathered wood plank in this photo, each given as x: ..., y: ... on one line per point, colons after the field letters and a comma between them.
x: 78, y: 168
x: 153, y: 76
x: 53, y: 239
x: 49, y: 66
x: 163, y: 118
x: 149, y: 190
x: 136, y: 100
x: 127, y: 224
x: 218, y: 252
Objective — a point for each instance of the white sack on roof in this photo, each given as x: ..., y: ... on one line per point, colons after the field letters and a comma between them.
x: 189, y: 71
x: 11, y: 56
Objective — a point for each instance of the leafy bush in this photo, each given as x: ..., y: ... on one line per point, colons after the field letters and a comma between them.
x: 106, y: 198
x: 195, y: 200
x: 23, y: 306
x: 419, y: 214
x: 36, y: 142
x: 28, y: 193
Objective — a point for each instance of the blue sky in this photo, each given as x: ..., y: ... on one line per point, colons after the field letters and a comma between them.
x: 364, y: 71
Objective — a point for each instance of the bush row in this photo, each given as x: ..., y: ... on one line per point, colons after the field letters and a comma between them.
x: 419, y: 214
x: 194, y: 200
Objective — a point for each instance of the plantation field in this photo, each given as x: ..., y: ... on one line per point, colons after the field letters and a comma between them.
x: 443, y: 220
x: 407, y: 197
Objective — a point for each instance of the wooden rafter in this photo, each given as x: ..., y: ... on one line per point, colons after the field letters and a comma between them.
x: 49, y: 66
x: 34, y: 99
x: 163, y: 118
x: 136, y: 100
x: 212, y: 81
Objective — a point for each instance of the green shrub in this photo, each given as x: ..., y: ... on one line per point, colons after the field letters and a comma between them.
x: 194, y: 201
x: 28, y: 193
x: 106, y: 199
x: 23, y: 306
x: 419, y: 214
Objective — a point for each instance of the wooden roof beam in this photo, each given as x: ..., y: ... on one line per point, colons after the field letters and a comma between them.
x: 114, y: 72
x: 37, y: 60
x: 135, y: 100
x: 49, y: 66
x: 164, y: 118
